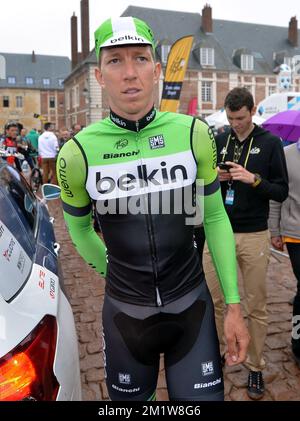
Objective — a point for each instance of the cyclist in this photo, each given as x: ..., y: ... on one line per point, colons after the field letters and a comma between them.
x: 11, y: 144
x: 132, y: 165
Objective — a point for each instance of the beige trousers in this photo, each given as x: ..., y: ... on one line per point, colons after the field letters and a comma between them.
x: 48, y: 167
x: 253, y: 253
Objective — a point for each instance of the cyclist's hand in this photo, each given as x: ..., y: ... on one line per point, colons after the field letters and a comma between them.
x: 236, y: 334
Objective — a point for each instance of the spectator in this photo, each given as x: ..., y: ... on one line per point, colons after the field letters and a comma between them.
x: 48, y: 149
x: 33, y: 139
x: 284, y: 225
x: 64, y: 136
x: 256, y: 173
x: 24, y: 147
x: 10, y: 143
x: 76, y: 129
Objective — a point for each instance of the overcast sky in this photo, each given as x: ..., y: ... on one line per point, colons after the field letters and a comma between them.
x: 44, y: 25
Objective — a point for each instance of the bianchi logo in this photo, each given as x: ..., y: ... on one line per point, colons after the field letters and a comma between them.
x: 157, y: 142
x: 120, y: 155
x: 120, y: 389
x: 121, y: 144
x: 209, y: 384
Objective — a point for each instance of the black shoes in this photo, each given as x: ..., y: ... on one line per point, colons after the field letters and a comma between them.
x: 256, y: 388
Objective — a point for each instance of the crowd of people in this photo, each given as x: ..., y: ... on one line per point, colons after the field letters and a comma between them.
x: 39, y: 148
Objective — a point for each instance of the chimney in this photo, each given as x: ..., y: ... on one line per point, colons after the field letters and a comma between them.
x: 85, y: 29
x: 33, y: 57
x: 207, y: 23
x: 293, y: 32
x: 74, y: 40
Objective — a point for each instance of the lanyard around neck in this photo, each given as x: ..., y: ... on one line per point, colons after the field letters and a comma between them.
x: 248, y: 153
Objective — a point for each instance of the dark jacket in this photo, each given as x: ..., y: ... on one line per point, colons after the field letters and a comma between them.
x: 250, y: 209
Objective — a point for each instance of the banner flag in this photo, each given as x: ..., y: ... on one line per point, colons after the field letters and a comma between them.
x: 177, y: 63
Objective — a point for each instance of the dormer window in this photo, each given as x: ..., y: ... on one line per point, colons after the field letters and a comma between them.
x: 11, y: 80
x: 247, y: 62
x: 207, y: 56
x: 29, y: 80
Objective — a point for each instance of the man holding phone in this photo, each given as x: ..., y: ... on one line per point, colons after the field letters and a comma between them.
x: 252, y: 170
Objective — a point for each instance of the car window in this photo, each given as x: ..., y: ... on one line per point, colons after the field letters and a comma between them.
x: 17, y: 243
x: 22, y: 198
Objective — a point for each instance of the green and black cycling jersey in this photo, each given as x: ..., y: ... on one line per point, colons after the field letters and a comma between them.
x: 141, y: 176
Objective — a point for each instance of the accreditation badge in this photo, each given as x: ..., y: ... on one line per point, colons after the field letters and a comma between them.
x: 229, y: 199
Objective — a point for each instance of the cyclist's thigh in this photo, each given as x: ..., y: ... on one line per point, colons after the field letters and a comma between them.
x: 127, y: 378
x: 197, y: 375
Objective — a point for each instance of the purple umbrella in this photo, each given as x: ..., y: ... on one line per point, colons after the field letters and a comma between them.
x: 285, y: 125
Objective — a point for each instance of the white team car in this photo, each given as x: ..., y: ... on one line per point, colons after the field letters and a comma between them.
x: 38, y: 343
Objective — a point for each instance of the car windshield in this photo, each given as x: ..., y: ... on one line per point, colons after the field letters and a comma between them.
x: 17, y: 222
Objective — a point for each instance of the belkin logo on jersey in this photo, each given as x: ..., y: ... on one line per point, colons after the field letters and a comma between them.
x: 157, y: 142
x: 128, y: 182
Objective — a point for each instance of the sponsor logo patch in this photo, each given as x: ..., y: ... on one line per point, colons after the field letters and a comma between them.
x: 255, y: 151
x: 8, y: 252
x: 207, y: 368
x: 124, y: 378
x: 157, y: 142
x: 122, y: 143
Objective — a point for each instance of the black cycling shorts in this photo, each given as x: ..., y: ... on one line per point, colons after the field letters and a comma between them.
x: 184, y: 331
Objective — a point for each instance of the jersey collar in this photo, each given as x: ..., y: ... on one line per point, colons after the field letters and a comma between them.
x: 134, y: 126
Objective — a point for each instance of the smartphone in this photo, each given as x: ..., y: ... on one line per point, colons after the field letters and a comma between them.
x: 224, y: 166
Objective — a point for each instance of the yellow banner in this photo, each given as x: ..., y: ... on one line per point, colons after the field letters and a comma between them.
x: 175, y: 70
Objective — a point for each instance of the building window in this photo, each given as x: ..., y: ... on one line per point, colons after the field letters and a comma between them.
x: 19, y: 101
x: 61, y: 82
x: 67, y: 95
x: 29, y: 80
x: 46, y: 81
x: 165, y: 49
x: 272, y: 89
x: 77, y: 96
x: 11, y: 80
x: 206, y: 91
x: 246, y: 62
x: 6, y: 102
x: 52, y: 102
x: 207, y: 56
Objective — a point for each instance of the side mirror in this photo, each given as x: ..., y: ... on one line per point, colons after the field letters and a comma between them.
x: 50, y: 191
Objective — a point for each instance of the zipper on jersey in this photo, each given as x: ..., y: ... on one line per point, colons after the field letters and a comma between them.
x: 158, y: 299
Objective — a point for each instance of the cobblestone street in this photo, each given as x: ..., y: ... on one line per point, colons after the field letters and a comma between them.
x: 85, y: 290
